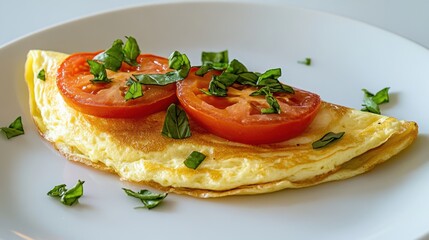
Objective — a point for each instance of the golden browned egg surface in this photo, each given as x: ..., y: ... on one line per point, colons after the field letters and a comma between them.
x: 136, y: 151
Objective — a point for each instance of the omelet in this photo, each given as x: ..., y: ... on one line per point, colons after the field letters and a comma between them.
x: 136, y: 150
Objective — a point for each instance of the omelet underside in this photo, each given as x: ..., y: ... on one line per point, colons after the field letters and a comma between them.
x: 136, y: 151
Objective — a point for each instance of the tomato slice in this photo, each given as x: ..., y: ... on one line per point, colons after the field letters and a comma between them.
x: 108, y: 99
x: 238, y: 117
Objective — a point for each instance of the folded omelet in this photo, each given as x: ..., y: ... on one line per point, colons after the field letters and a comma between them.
x: 136, y: 151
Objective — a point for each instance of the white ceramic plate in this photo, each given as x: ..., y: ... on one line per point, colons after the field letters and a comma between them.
x: 390, y: 202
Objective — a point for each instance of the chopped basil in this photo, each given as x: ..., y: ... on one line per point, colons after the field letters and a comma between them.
x: 271, y: 100
x: 327, y: 139
x: 41, y: 75
x: 194, y: 159
x: 268, y: 75
x: 236, y: 67
x: 306, y: 61
x: 112, y: 58
x: 134, y: 90
x: 372, y: 101
x: 15, y: 128
x: 247, y: 78
x: 213, y: 60
x: 176, y: 123
x: 131, y: 51
x: 99, y: 71
x: 67, y: 197
x: 179, y: 62
x: 148, y: 198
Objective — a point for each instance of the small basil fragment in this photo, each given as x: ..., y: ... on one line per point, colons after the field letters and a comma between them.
x: 179, y: 62
x: 15, y: 128
x: 41, y: 75
x: 134, y: 90
x: 99, y: 71
x: 274, y: 73
x: 67, y: 197
x: 327, y: 139
x: 112, y: 58
x: 236, y: 67
x: 372, y: 101
x: 148, y: 198
x: 194, y: 160
x: 272, y: 102
x: 131, y: 51
x: 306, y: 61
x: 176, y: 123
x: 213, y: 60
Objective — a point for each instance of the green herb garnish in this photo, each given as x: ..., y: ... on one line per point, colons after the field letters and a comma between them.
x: 372, y: 101
x: 112, y: 58
x: 306, y: 61
x: 271, y: 100
x: 148, y: 198
x: 194, y: 159
x: 15, y: 128
x: 176, y: 123
x: 99, y: 71
x: 134, y: 90
x: 41, y: 75
x: 213, y: 60
x: 131, y: 51
x: 177, y: 61
x: 67, y: 197
x: 327, y: 139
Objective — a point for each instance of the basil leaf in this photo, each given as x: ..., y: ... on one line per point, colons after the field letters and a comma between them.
x: 247, y: 78
x: 381, y: 96
x: 148, y: 198
x: 99, y: 71
x: 306, y: 61
x: 371, y: 102
x: 67, y: 197
x: 269, y: 74
x: 57, y: 191
x: 176, y: 123
x: 131, y: 51
x: 15, y: 128
x: 184, y: 67
x: 236, y: 67
x: 194, y: 160
x: 72, y: 195
x: 134, y: 91
x: 41, y: 75
x: 113, y: 57
x: 217, y: 87
x: 327, y: 139
x: 272, y: 101
x: 213, y: 60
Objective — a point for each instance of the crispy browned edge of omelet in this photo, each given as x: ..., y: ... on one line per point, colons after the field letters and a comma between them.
x: 358, y: 165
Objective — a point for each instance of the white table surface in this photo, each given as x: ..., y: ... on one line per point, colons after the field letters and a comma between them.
x: 408, y: 18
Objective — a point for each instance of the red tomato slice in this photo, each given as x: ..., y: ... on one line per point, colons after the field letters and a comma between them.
x: 108, y: 99
x: 238, y: 117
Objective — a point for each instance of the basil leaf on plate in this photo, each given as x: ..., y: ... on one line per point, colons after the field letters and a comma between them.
x: 372, y: 101
x: 148, y: 198
x: 67, y: 197
x: 306, y: 61
x: 15, y: 128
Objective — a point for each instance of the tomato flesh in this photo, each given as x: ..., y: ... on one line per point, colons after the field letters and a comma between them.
x: 238, y: 117
x: 108, y: 99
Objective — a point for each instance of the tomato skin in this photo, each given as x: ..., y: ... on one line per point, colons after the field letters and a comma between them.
x: 237, y: 121
x: 107, y: 99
